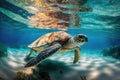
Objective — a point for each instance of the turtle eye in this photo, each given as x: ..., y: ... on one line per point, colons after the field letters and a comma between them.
x: 80, y: 36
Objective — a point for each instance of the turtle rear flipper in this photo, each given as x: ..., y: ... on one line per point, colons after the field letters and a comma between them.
x: 31, y: 51
x: 35, y: 49
x: 44, y: 54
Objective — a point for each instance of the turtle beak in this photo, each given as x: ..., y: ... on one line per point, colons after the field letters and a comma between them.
x: 86, y: 39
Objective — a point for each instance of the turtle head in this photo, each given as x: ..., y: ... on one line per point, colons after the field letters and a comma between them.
x: 80, y: 39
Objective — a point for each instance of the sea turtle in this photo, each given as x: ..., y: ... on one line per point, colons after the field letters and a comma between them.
x: 55, y: 42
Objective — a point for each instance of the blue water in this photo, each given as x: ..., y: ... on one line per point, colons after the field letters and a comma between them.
x: 102, y: 27
x: 98, y: 38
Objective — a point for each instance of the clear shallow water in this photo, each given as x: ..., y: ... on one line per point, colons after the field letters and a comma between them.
x: 102, y: 26
x: 91, y: 64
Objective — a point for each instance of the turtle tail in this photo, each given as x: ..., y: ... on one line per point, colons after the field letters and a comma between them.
x: 44, y: 54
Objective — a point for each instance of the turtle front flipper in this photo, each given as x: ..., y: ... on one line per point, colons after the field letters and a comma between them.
x: 76, y: 55
x: 44, y: 54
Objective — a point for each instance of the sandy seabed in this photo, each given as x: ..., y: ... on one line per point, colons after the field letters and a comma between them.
x: 60, y: 66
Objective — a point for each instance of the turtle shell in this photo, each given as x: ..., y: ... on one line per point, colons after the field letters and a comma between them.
x: 49, y: 38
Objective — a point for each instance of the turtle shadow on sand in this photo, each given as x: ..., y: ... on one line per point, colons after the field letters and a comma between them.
x: 53, y: 66
x: 58, y: 70
x: 50, y: 65
x: 61, y: 71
